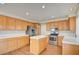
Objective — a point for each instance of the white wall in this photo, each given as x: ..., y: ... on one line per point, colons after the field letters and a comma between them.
x: 43, y: 28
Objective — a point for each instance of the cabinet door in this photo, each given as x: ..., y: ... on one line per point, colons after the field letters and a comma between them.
x: 72, y: 21
x: 60, y: 26
x: 56, y: 24
x: 24, y: 25
x: 22, y: 41
x: 59, y: 40
x: 53, y: 25
x: 65, y: 25
x: 37, y: 28
x: 10, y: 23
x: 12, y: 44
x: 3, y: 46
x: 18, y: 24
x: 2, y: 23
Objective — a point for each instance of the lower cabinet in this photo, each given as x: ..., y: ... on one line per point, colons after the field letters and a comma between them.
x: 59, y: 40
x: 3, y: 46
x: 22, y: 41
x: 70, y: 49
x: 10, y: 44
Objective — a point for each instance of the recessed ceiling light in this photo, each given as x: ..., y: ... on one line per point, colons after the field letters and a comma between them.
x: 52, y: 16
x: 27, y: 13
x: 71, y: 9
x: 43, y: 6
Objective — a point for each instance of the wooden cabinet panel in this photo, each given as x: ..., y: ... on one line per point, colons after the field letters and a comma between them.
x: 18, y: 24
x: 24, y: 25
x: 56, y: 24
x: 37, y: 28
x: 38, y: 45
x: 3, y: 46
x: 60, y: 40
x: 12, y: 44
x: 43, y: 44
x: 66, y: 25
x: 22, y: 41
x: 10, y: 23
x: 72, y: 23
x: 70, y: 49
x: 50, y: 25
x: 2, y: 23
x: 61, y: 25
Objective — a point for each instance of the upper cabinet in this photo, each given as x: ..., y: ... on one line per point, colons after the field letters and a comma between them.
x: 11, y: 23
x: 24, y: 25
x: 2, y: 23
x: 18, y: 24
x: 37, y: 28
x: 61, y: 25
x: 72, y: 23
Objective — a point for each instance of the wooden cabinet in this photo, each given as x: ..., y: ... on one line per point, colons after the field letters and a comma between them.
x: 37, y: 45
x: 22, y: 41
x: 72, y: 23
x: 3, y: 46
x: 50, y: 25
x: 65, y: 25
x: 18, y: 24
x: 10, y: 23
x: 70, y: 49
x: 10, y: 44
x: 37, y: 28
x: 24, y: 25
x: 61, y: 25
x: 2, y: 23
x: 60, y: 40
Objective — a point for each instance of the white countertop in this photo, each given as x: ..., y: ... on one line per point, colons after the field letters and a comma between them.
x: 38, y: 37
x: 11, y: 35
x: 71, y: 40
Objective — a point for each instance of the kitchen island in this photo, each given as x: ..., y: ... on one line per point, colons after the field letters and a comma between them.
x: 38, y: 43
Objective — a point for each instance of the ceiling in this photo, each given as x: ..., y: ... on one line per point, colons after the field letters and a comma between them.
x: 35, y: 12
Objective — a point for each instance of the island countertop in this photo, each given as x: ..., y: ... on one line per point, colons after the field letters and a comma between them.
x: 38, y: 37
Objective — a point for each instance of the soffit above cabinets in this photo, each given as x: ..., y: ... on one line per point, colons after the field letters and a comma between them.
x: 39, y: 12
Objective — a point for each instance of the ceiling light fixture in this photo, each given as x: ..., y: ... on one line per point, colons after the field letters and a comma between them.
x: 27, y: 13
x: 43, y: 6
x: 71, y: 9
x: 52, y: 16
